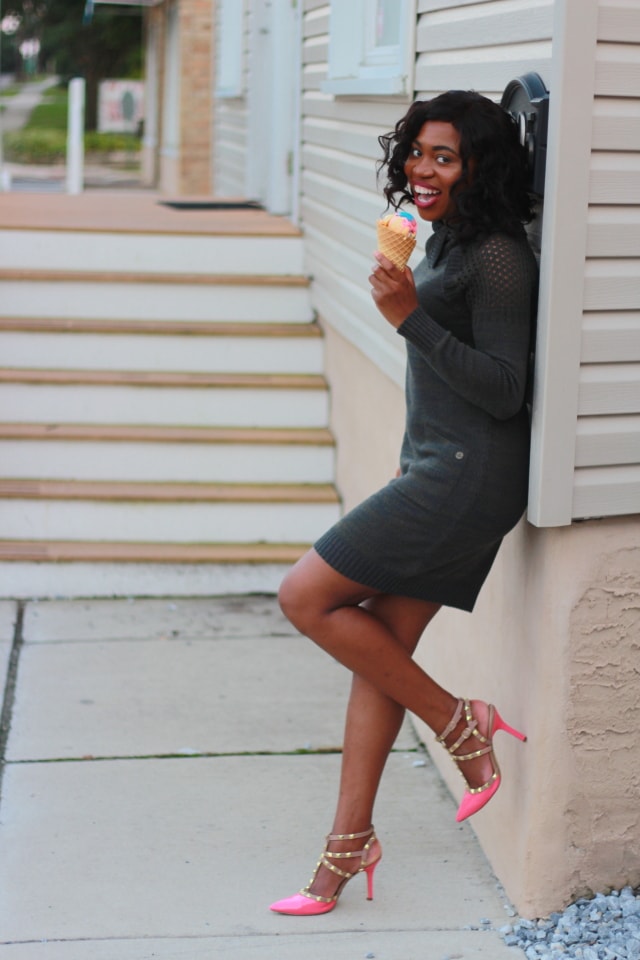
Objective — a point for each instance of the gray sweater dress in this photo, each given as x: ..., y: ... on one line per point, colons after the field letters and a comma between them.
x: 433, y: 532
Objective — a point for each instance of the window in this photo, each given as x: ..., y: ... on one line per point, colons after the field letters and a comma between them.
x: 229, y: 49
x: 371, y: 47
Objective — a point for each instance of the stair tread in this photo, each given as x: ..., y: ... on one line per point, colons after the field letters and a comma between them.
x: 101, y: 552
x: 238, y: 328
x: 135, y: 276
x: 168, y: 492
x: 164, y: 378
x: 296, y: 436
x: 130, y: 212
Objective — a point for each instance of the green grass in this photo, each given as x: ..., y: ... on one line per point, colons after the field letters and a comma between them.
x: 51, y: 114
x: 44, y: 138
x: 35, y: 146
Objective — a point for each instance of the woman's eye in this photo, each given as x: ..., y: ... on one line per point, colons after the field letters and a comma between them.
x: 415, y: 152
x: 443, y: 159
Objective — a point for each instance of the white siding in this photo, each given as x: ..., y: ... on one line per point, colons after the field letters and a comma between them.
x: 460, y: 44
x: 230, y: 129
x: 607, y: 478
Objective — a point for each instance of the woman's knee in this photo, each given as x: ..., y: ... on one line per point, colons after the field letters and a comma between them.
x: 286, y: 595
x: 293, y: 599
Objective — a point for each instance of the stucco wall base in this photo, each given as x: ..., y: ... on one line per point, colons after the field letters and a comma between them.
x: 554, y: 642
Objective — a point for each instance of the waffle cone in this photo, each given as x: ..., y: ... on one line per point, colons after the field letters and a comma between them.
x: 395, y: 246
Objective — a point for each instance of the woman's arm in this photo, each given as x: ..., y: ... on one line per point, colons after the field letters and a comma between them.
x: 493, y: 372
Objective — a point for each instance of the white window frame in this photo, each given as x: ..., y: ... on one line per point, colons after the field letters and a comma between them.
x: 229, y: 73
x: 356, y: 67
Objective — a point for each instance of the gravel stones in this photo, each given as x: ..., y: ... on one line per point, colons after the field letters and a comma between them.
x: 606, y: 927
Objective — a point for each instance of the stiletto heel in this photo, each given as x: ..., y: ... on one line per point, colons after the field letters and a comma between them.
x: 370, y: 870
x: 499, y: 724
x: 306, y: 904
x: 475, y: 798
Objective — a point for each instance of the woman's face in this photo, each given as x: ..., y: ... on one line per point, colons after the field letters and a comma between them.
x: 433, y: 166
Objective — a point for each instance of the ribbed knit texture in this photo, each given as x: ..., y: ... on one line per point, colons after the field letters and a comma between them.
x: 433, y: 533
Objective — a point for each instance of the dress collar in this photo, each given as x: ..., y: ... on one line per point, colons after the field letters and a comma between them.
x: 442, y: 238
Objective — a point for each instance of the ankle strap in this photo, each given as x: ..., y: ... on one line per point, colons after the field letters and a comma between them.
x: 351, y: 836
x: 453, y: 723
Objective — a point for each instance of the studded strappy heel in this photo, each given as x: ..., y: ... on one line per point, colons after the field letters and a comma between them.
x: 476, y: 797
x: 306, y: 904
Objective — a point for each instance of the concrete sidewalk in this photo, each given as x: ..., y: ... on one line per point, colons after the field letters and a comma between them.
x: 171, y: 769
x: 17, y: 109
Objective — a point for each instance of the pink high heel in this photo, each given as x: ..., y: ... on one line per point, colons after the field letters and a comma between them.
x: 475, y: 798
x: 307, y: 904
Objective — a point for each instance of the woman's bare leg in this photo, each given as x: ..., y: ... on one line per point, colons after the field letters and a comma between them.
x: 325, y: 606
x: 373, y: 722
x: 332, y: 611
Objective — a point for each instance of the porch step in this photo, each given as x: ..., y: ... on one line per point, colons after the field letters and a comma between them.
x: 164, y: 397
x: 143, y: 251
x: 144, y: 453
x: 138, y: 295
x: 151, y: 345
x: 75, y: 551
x: 163, y: 409
x: 165, y: 512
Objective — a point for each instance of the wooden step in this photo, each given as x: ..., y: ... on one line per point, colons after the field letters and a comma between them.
x: 135, y: 453
x: 124, y: 433
x: 114, y: 491
x: 72, y: 551
x: 180, y: 512
x: 165, y: 295
x: 23, y: 275
x: 175, y: 400
x: 221, y: 348
x: 147, y: 378
x: 181, y: 328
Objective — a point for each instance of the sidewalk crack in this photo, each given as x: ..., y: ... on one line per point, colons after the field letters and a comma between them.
x: 9, y: 694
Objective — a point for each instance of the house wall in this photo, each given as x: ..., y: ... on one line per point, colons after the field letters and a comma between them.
x: 231, y: 123
x: 178, y: 142
x: 196, y: 96
x: 607, y: 456
x: 154, y: 80
x: 554, y: 641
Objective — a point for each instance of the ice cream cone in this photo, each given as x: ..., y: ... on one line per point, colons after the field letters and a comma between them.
x: 396, y: 246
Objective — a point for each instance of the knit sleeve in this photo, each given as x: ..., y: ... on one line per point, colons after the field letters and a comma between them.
x: 499, y: 277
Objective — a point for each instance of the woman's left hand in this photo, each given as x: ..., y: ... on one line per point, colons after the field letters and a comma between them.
x: 393, y: 290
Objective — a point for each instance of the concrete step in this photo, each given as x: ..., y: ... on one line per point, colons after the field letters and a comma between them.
x: 71, y: 569
x: 165, y: 512
x: 144, y: 345
x: 150, y: 252
x: 200, y: 455
x: 163, y: 398
x: 77, y: 294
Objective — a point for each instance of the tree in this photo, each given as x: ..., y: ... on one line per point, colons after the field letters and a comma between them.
x: 107, y: 47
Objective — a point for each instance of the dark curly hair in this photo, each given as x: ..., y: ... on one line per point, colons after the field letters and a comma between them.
x: 496, y: 197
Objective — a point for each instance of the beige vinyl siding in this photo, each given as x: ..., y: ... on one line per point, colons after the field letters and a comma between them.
x: 340, y: 201
x: 231, y: 129
x: 607, y: 457
x: 480, y: 45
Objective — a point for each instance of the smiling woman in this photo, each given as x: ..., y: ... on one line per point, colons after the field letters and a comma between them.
x: 429, y: 537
